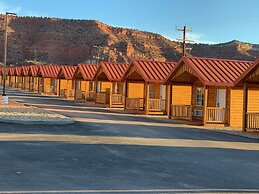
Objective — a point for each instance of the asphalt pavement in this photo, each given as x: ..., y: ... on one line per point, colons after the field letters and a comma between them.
x: 105, y: 151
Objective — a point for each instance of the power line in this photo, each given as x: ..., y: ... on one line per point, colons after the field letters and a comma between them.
x: 183, y: 39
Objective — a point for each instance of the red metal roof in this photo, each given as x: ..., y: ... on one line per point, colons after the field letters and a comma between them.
x: 113, y: 71
x: 248, y: 72
x: 87, y: 71
x: 18, y: 71
x: 152, y: 71
x: 48, y: 71
x: 6, y: 71
x: 33, y: 70
x: 12, y: 71
x: 25, y: 70
x: 212, y: 71
x: 67, y: 72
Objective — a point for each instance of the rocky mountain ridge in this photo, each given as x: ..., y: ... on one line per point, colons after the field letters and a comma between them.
x: 67, y: 41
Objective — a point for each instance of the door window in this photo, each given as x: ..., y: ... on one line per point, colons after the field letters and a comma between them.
x: 199, y: 97
x: 151, y: 91
x: 221, y: 98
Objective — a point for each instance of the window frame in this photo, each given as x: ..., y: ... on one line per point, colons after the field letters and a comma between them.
x: 199, y: 97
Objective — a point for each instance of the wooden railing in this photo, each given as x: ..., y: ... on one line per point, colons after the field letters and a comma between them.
x: 31, y: 87
x: 52, y: 89
x: 19, y: 85
x: 13, y: 84
x: 70, y: 93
x: 181, y: 112
x: 27, y: 86
x: 91, y: 96
x: 216, y: 115
x: 40, y: 89
x: 117, y: 99
x: 63, y: 93
x: 156, y: 105
x: 102, y: 98
x: 252, y: 120
x: 135, y: 103
x: 80, y: 95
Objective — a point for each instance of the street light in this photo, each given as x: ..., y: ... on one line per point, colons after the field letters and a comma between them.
x: 5, y: 47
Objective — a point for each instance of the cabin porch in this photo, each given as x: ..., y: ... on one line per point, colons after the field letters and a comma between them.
x: 81, y: 90
x: 103, y: 89
x: 145, y: 98
x: 196, y: 102
x: 50, y: 86
x: 251, y: 105
x: 32, y: 83
x: 26, y: 83
x: 85, y: 91
x: 66, y: 89
x: 13, y: 81
x: 19, y: 82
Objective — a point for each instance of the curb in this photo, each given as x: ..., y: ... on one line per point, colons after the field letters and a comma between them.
x: 36, y: 122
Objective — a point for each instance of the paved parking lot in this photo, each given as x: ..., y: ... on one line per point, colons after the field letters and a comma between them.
x: 105, y: 151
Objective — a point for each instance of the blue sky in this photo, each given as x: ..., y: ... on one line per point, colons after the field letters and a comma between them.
x: 212, y: 21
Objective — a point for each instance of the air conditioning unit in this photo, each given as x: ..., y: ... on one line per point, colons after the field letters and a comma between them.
x: 198, y: 113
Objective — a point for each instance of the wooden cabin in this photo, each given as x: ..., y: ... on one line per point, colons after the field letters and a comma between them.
x: 247, y: 104
x: 19, y: 78
x: 66, y: 83
x: 32, y: 73
x: 203, y: 90
x: 47, y: 79
x: 12, y: 74
x: 8, y: 77
x: 25, y: 77
x: 5, y: 75
x: 84, y: 84
x: 145, y: 92
x: 110, y: 89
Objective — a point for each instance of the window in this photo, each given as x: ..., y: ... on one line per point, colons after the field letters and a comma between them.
x: 91, y: 86
x: 73, y: 84
x: 117, y: 88
x: 98, y: 86
x: 78, y: 87
x: 198, y: 113
x: 199, y: 97
x: 151, y: 91
x: 52, y: 82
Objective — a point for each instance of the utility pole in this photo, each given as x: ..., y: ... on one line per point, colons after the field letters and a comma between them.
x: 5, y: 48
x: 183, y: 39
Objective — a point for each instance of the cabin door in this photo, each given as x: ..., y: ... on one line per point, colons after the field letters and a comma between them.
x: 162, y: 92
x: 221, y: 98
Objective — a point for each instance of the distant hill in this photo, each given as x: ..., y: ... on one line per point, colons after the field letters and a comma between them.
x: 66, y: 41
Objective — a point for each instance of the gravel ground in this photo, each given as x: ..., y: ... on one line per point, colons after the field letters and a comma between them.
x: 29, y: 114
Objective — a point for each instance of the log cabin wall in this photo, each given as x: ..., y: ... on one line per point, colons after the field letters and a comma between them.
x: 135, y: 90
x: 181, y: 95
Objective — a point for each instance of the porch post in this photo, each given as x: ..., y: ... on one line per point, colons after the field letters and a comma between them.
x: 38, y: 90
x: 169, y: 100
x: 110, y: 103
x: 146, y: 97
x: 58, y: 92
x: 244, y: 123
x: 75, y: 88
x: 96, y: 84
x: 125, y: 94
x: 205, y: 104
x: 29, y: 83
